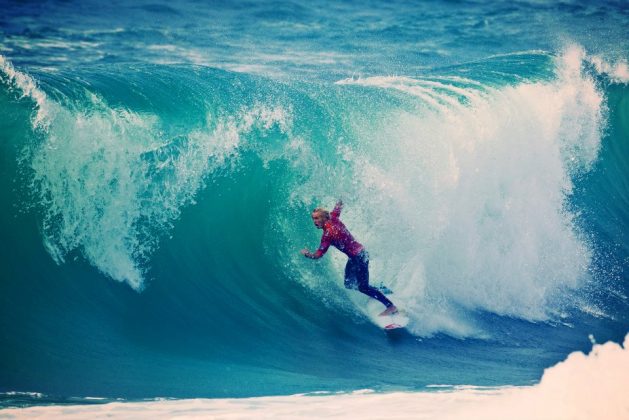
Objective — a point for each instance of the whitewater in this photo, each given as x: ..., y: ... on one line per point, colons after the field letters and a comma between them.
x: 160, y: 162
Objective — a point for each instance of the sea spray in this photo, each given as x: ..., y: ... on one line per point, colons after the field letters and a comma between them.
x: 110, y: 180
x: 461, y: 201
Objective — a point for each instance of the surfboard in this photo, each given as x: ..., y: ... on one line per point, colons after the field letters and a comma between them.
x: 392, y: 322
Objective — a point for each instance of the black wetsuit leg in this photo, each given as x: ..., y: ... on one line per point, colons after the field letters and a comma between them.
x: 357, y: 277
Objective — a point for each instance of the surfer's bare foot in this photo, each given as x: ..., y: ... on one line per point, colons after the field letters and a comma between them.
x: 389, y: 311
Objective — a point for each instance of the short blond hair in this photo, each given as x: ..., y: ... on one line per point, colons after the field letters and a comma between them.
x: 322, y: 211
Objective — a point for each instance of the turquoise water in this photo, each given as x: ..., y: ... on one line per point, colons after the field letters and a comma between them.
x: 159, y: 162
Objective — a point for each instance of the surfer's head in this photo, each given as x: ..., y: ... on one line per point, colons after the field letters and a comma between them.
x: 320, y: 216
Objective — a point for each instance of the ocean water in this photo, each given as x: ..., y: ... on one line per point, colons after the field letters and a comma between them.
x: 159, y: 161
x: 565, y: 391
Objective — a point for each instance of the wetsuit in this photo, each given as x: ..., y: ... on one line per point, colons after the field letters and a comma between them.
x: 357, y: 269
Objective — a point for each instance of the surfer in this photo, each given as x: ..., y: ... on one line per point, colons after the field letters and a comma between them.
x: 357, y: 268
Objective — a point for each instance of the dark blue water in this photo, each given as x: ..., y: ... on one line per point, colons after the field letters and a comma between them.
x: 160, y: 160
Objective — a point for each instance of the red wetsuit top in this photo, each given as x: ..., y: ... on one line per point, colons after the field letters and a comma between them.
x: 335, y: 233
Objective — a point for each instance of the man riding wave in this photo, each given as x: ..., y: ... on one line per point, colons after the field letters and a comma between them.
x: 357, y: 268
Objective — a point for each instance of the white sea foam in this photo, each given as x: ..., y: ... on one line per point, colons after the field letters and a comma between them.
x: 617, y: 70
x: 462, y: 203
x: 588, y: 387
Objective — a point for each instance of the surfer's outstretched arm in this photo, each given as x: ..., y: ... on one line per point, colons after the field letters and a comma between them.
x: 336, y: 213
x: 323, y: 248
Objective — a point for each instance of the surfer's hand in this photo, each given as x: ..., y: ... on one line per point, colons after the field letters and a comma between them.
x: 305, y: 252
